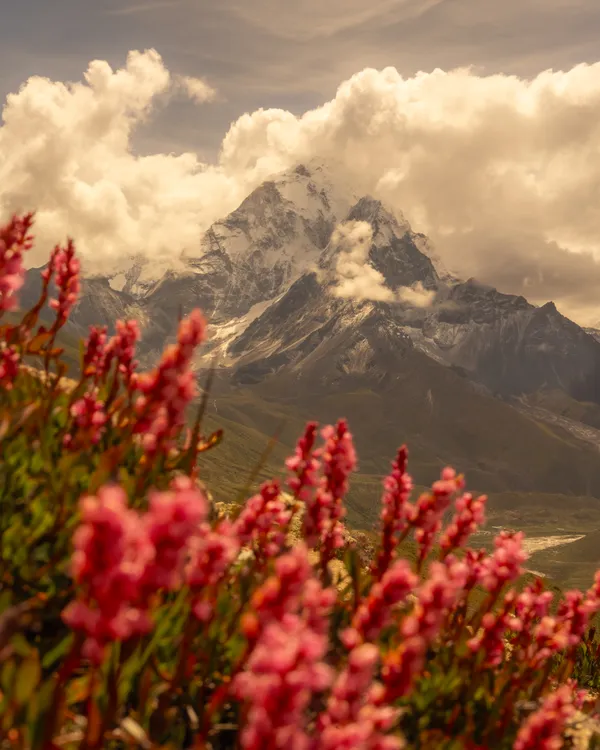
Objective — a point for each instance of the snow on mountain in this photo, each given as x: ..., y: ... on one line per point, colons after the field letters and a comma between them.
x: 265, y: 276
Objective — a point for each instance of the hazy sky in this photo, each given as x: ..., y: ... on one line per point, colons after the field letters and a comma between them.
x: 500, y: 163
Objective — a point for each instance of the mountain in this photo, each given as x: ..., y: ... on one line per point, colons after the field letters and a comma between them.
x: 468, y: 375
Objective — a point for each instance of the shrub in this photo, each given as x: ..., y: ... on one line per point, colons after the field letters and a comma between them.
x: 132, y: 614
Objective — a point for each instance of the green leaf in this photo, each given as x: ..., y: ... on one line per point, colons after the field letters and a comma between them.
x: 7, y: 675
x: 27, y: 678
x: 21, y: 645
x: 57, y: 652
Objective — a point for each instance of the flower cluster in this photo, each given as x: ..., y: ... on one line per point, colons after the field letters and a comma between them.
x: 305, y: 466
x: 90, y: 418
x: 354, y: 716
x: 65, y: 267
x: 15, y: 239
x: 111, y: 554
x: 9, y: 366
x: 376, y: 610
x: 198, y: 629
x: 395, y: 511
x: 285, y: 668
x: 543, y: 729
x: 264, y: 520
x: 427, y: 513
x: 121, y: 348
x: 434, y: 600
x: 120, y: 559
x: 505, y: 563
x: 324, y: 515
x: 469, y: 516
x: 169, y: 389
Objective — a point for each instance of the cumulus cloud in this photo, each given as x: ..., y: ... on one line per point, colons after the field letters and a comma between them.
x: 197, y: 89
x: 66, y: 151
x: 416, y: 295
x: 357, y: 279
x: 500, y: 172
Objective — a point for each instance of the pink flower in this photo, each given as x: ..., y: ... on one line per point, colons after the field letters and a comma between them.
x: 172, y: 520
x: 9, y: 366
x: 396, y: 510
x: 574, y: 610
x: 121, y: 348
x: 531, y: 606
x: 561, y: 631
x: 94, y: 355
x: 543, y: 729
x: 282, y: 591
x: 167, y: 390
x: 504, y: 564
x: 426, y: 516
x: 470, y: 513
x: 323, y: 516
x: 285, y: 667
x: 14, y: 241
x: 90, y: 419
x: 436, y: 597
x: 401, y: 665
x: 490, y: 643
x: 353, y: 717
x: 375, y: 611
x: 305, y: 465
x: 112, y: 551
x: 264, y: 520
x: 212, y: 551
x: 66, y: 267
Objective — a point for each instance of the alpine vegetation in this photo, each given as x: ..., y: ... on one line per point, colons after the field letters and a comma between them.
x: 134, y: 612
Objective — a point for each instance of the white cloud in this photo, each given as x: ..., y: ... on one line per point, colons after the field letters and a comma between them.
x: 356, y: 279
x: 500, y: 172
x: 197, y: 89
x: 416, y: 295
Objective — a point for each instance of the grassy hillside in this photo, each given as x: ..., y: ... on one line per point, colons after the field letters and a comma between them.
x: 440, y: 415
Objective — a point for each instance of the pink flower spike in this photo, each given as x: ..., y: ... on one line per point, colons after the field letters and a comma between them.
x: 427, y: 514
x: 305, y: 466
x: 396, y: 511
x: 66, y: 267
x: 505, y: 563
x: 90, y: 420
x: 14, y: 241
x: 324, y: 512
x: 112, y: 552
x: 375, y: 611
x: 168, y: 389
x: 264, y: 520
x: 173, y: 520
x: 470, y: 514
x: 286, y: 665
x: 9, y: 366
x: 543, y: 729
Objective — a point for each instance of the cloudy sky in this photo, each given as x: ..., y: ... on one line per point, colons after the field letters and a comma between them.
x: 479, y: 120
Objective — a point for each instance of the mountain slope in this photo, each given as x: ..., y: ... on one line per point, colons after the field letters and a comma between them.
x: 267, y: 277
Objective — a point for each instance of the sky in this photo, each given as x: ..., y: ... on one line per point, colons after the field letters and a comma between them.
x: 133, y: 124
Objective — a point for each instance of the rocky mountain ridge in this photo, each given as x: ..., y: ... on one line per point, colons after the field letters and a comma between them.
x: 266, y: 278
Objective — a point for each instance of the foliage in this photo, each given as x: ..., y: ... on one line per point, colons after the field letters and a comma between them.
x: 133, y: 614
